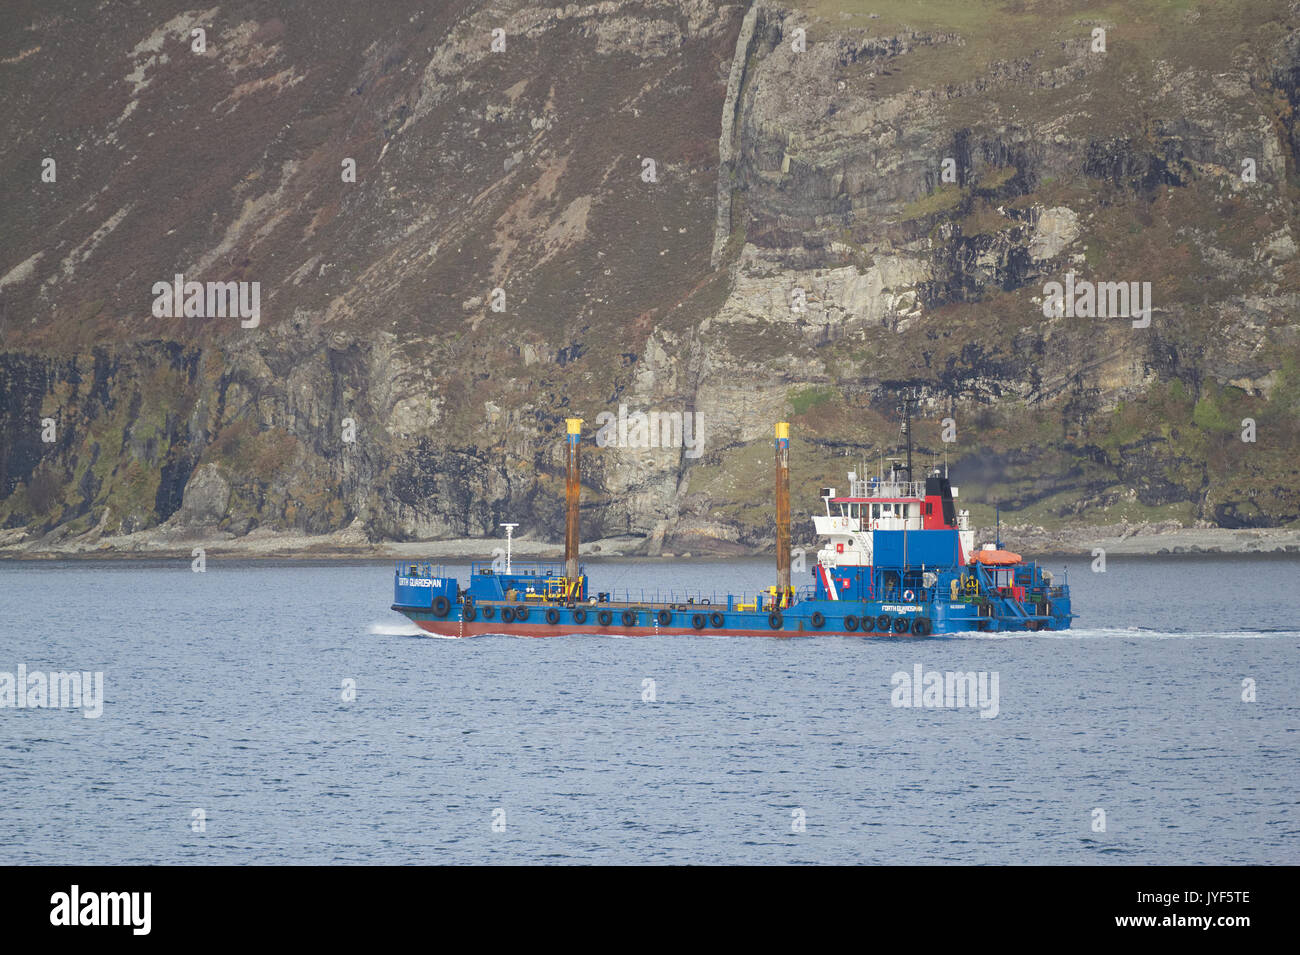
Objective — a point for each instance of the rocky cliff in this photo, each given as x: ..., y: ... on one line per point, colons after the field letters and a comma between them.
x: 468, y: 221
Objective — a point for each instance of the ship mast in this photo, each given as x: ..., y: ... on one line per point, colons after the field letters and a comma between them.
x: 572, y: 487
x: 907, y: 432
x: 782, y: 446
x: 510, y: 533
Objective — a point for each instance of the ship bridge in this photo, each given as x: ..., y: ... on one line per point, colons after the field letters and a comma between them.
x: 862, y: 525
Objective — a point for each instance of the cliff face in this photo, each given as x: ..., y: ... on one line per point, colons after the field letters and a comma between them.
x: 737, y: 211
x: 1122, y: 165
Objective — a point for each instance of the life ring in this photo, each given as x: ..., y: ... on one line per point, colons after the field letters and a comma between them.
x: 664, y: 618
x: 716, y: 619
x: 851, y: 623
x: 521, y: 613
x: 774, y: 620
x: 579, y: 615
x: 908, y: 595
x: 605, y: 618
x: 507, y: 614
x: 629, y: 618
x: 698, y: 621
x: 818, y: 620
x: 468, y: 613
x: 441, y: 605
x: 552, y: 616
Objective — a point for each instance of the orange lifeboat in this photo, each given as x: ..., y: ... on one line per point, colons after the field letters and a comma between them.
x: 996, y: 558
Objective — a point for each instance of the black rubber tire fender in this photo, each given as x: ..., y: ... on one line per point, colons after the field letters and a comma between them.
x: 441, y: 605
x: 884, y: 623
x: 698, y: 621
x: 552, y: 616
x: 468, y: 613
x: 664, y: 618
x: 851, y: 623
x: 579, y: 615
x: 716, y: 619
x: 489, y: 613
x: 901, y: 625
x: 521, y: 613
x: 775, y: 621
x: 507, y: 614
x: 818, y: 619
x: 604, y: 617
x: 629, y: 618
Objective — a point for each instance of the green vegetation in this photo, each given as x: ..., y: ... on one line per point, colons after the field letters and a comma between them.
x: 943, y: 199
x: 995, y: 177
x: 804, y: 399
x: 256, y: 453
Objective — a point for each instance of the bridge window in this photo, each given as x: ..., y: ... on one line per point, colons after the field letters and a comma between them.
x: 929, y: 508
x: 875, y: 511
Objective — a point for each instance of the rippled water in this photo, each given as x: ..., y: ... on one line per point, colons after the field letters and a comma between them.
x: 224, y: 693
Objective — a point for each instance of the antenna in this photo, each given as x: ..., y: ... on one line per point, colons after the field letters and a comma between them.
x: 908, y: 407
x: 510, y: 533
x: 907, y: 431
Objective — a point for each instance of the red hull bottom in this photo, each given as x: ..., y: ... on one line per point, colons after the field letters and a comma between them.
x: 459, y: 628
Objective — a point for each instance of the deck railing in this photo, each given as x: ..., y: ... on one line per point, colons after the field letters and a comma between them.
x: 521, y: 568
x: 658, y: 597
x: 419, y: 568
x: 887, y: 488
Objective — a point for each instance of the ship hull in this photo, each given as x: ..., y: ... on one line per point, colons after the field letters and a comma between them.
x: 447, y: 628
x: 807, y: 619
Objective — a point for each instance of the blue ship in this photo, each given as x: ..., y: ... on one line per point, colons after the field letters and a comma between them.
x: 897, y: 559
